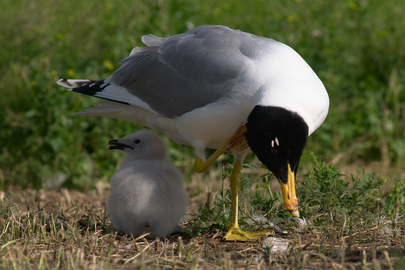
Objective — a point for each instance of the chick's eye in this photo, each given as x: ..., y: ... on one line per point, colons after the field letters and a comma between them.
x: 137, y: 141
x: 275, y: 143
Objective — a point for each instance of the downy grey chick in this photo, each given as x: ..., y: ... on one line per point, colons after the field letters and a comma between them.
x: 147, y: 191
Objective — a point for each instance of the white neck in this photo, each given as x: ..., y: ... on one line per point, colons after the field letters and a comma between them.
x: 297, y: 96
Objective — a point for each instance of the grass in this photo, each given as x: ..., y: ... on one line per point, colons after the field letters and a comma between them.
x: 354, y: 46
x: 67, y: 229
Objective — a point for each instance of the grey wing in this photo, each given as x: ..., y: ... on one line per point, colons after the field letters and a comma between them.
x: 186, y: 71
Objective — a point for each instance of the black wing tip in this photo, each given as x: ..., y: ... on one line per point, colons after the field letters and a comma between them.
x: 74, y: 83
x: 87, y: 87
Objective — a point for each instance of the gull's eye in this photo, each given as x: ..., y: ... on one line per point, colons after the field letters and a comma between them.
x: 275, y: 143
x: 137, y: 141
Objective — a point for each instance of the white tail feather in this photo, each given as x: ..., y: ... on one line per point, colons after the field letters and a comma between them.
x: 120, y: 94
x: 137, y: 115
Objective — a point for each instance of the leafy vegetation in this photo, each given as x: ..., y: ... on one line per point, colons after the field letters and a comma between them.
x: 356, y: 47
x: 324, y: 197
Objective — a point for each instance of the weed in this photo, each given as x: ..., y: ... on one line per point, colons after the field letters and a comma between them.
x: 324, y: 199
x: 211, y: 216
x: 323, y: 191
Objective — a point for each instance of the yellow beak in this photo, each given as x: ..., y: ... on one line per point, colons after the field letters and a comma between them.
x: 289, y: 195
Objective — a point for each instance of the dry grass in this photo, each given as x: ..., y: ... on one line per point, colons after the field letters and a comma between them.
x: 67, y: 229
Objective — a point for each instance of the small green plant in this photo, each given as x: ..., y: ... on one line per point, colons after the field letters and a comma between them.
x: 395, y: 199
x: 324, y: 191
x: 211, y: 216
x: 269, y: 202
x: 323, y: 194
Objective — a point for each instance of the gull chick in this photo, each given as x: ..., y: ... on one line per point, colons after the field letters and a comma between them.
x: 147, y: 191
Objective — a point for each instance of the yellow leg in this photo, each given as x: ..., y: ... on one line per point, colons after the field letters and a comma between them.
x: 236, y: 141
x: 234, y: 233
x: 200, y: 166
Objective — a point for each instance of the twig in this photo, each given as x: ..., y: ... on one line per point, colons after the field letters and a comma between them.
x: 5, y: 230
x: 215, y: 235
x: 246, y: 249
x: 303, y: 247
x: 174, y: 262
x: 324, y: 258
x: 134, y: 257
x: 311, y: 220
x: 343, y: 250
x: 368, y: 230
x: 142, y: 236
x: 343, y: 227
x: 387, y: 257
x: 8, y: 243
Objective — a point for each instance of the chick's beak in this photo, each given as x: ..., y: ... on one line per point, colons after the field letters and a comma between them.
x: 289, y: 195
x: 114, y: 144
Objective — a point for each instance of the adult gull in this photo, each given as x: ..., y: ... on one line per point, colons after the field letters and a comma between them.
x: 214, y: 87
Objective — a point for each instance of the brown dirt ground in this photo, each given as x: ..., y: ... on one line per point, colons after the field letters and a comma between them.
x: 369, y: 249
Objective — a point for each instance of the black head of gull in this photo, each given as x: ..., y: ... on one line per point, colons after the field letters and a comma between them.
x: 278, y: 137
